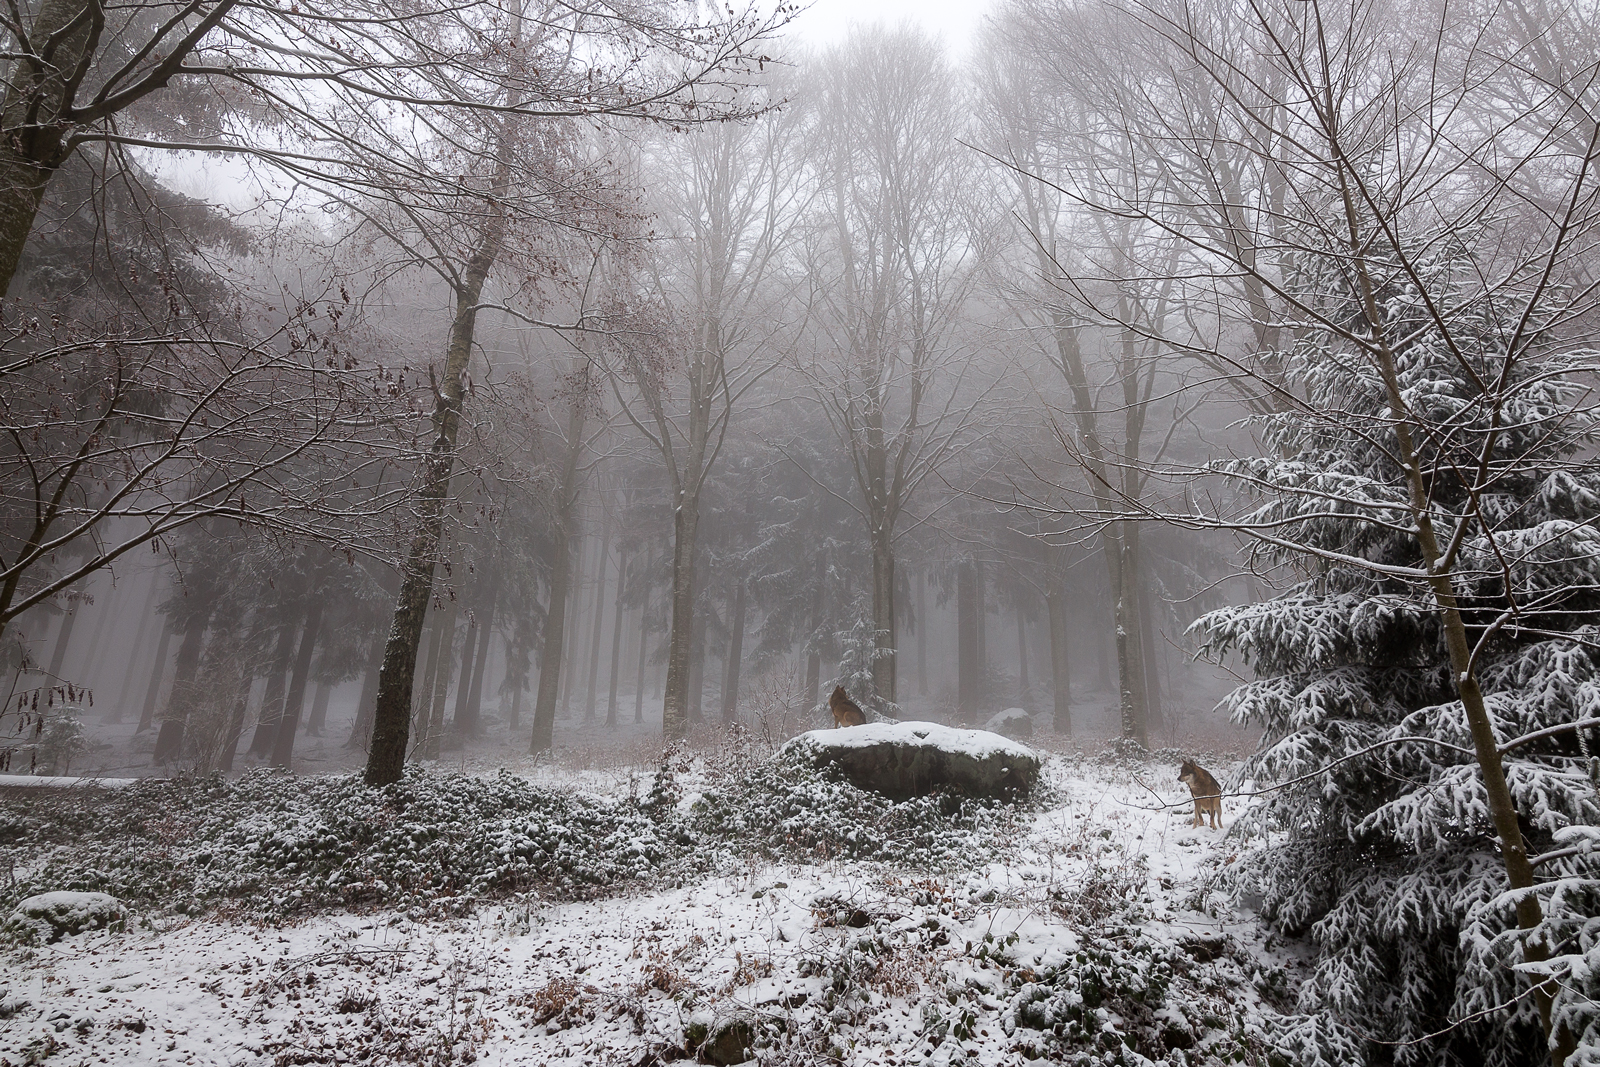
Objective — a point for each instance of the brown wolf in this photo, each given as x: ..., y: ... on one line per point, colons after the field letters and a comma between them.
x: 845, y: 712
x: 1205, y: 790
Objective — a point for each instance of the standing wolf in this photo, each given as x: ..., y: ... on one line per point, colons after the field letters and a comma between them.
x: 845, y: 712
x: 1205, y: 790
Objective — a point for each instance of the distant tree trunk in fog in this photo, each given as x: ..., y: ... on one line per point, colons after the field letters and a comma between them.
x: 922, y: 633
x: 234, y: 728
x: 295, y: 702
x: 469, y: 656
x: 272, y: 702
x: 1022, y: 652
x: 1132, y: 708
x: 814, y: 655
x: 561, y: 552
x: 616, y: 638
x: 433, y: 702
x: 1055, y: 602
x: 597, y: 630
x: 514, y: 719
x: 158, y: 673
x: 141, y: 628
x: 63, y: 638
x: 981, y: 614
x: 969, y: 664
x: 169, y: 742
x: 575, y: 615
x: 392, y: 718
x: 1147, y: 656
x: 317, y: 721
x: 644, y: 651
x: 113, y: 600
x: 473, y: 725
x: 430, y: 672
x: 730, y: 685
x: 361, y: 728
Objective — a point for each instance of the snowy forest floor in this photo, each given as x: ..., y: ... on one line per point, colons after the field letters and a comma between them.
x: 1083, y: 930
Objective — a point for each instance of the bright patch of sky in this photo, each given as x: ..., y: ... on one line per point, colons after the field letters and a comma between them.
x: 827, y: 22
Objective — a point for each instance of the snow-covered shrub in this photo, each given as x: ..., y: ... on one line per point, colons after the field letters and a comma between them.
x: 1384, y: 852
x: 281, y: 843
x: 787, y: 810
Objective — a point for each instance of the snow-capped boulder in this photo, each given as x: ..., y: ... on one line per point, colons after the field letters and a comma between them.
x: 1014, y: 723
x: 915, y: 758
x: 52, y: 916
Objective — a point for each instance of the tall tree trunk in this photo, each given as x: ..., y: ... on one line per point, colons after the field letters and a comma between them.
x: 597, y: 630
x: 469, y: 657
x: 1022, y: 651
x: 272, y: 701
x: 680, y: 659
x: 169, y: 742
x: 644, y: 650
x: 423, y: 709
x: 1123, y: 573
x: 730, y: 684
x: 969, y: 665
x: 434, y: 701
x: 569, y: 666
x: 885, y: 669
x: 295, y: 702
x: 473, y: 725
x: 1060, y: 672
x: 814, y: 655
x: 616, y: 638
x: 561, y: 551
x: 922, y: 633
x: 158, y: 673
x: 317, y: 721
x: 235, y: 726
x: 140, y: 630
x: 697, y: 668
x: 1154, y: 719
x: 981, y: 620
x: 58, y: 658
x: 392, y: 719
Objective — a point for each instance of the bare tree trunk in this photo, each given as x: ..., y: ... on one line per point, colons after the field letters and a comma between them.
x: 169, y: 742
x: 730, y: 685
x: 697, y: 668
x: 922, y: 633
x: 392, y: 718
x: 675, y: 701
x: 272, y: 701
x: 469, y: 656
x: 885, y: 669
x: 235, y: 727
x: 981, y: 621
x: 1155, y: 720
x: 142, y: 629
x: 968, y: 662
x: 474, y: 718
x: 551, y: 650
x: 814, y: 657
x: 1022, y: 653
x: 569, y: 665
x: 58, y: 657
x: 597, y: 630
x: 434, y: 701
x: 1060, y: 673
x: 616, y: 638
x: 361, y: 727
x: 295, y: 702
x: 318, y: 719
x: 423, y: 710
x: 644, y: 649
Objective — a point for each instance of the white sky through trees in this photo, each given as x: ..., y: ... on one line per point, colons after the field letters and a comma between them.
x: 827, y: 22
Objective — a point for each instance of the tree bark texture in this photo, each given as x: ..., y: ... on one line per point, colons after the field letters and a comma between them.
x: 561, y: 549
x: 433, y: 702
x: 675, y: 701
x: 392, y: 716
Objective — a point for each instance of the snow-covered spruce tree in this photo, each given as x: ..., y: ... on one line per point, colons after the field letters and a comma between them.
x: 1384, y: 845
x: 859, y: 649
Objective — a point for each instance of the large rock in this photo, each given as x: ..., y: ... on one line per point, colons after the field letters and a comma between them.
x: 52, y: 916
x: 1014, y: 723
x: 908, y: 759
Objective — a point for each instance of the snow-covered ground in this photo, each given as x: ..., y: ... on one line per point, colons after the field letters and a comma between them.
x: 1084, y: 941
